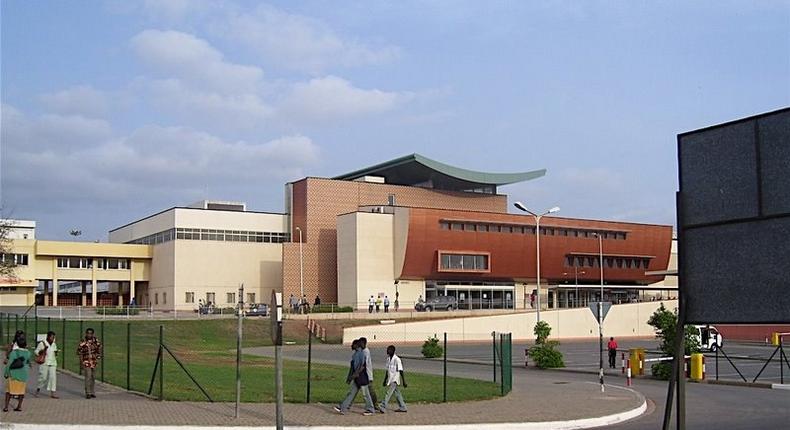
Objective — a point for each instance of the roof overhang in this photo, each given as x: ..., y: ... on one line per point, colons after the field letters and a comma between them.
x: 417, y: 170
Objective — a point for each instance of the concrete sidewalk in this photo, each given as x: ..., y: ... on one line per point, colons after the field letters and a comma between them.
x: 536, y: 398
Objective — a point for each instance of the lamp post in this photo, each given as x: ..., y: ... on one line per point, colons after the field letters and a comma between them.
x: 537, y: 217
x: 600, y: 310
x: 301, y: 264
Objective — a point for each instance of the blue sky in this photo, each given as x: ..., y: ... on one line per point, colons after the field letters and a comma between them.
x: 114, y: 110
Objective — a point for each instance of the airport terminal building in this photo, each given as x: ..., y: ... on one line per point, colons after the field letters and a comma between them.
x: 405, y: 228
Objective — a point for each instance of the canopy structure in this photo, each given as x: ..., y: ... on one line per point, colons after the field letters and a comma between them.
x: 417, y: 170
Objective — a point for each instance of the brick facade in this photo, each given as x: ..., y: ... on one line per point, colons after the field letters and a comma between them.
x: 317, y: 202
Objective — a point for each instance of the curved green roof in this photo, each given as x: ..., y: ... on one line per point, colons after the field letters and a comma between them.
x: 416, y: 169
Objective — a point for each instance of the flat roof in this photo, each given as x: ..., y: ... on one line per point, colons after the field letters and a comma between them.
x: 193, y: 209
x: 415, y: 169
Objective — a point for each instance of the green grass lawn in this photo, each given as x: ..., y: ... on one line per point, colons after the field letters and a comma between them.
x: 207, y: 348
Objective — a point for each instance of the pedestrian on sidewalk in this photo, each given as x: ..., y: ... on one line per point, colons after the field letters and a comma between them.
x: 15, y: 373
x: 371, y: 303
x: 612, y: 347
x: 363, y: 343
x: 378, y: 304
x: 293, y: 302
x: 357, y: 380
x: 13, y: 345
x: 386, y: 304
x: 393, y: 379
x: 47, y: 369
x: 90, y: 352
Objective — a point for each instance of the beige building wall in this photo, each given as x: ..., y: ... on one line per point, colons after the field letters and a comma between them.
x: 203, y: 267
x: 20, y: 290
x: 365, y: 242
x: 627, y: 320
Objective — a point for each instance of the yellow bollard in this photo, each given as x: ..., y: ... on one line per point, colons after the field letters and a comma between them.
x: 636, y: 356
x: 697, y: 373
x: 775, y: 339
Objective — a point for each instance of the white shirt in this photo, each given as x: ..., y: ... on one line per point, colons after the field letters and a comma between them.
x: 394, y: 367
x: 51, y: 359
x: 371, y: 301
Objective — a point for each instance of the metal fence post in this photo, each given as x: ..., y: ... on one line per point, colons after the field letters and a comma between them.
x: 49, y: 323
x: 35, y: 325
x: 16, y: 323
x: 161, y: 363
x: 102, y: 351
x: 717, y: 364
x: 493, y: 355
x: 26, y: 331
x: 238, y: 349
x: 128, y: 355
x: 444, y: 371
x: 309, y: 361
x: 63, y: 336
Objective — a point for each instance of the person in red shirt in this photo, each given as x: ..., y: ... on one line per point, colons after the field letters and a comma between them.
x: 612, y: 347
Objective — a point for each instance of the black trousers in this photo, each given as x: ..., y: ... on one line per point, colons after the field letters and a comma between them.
x: 612, y: 358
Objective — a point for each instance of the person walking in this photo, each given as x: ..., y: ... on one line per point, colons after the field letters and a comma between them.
x: 47, y: 369
x: 393, y: 379
x: 357, y: 380
x: 16, y: 373
x: 90, y: 352
x: 317, y: 301
x: 363, y: 343
x: 371, y: 303
x: 13, y: 345
x: 386, y: 304
x: 378, y: 304
x: 293, y: 302
x: 612, y: 347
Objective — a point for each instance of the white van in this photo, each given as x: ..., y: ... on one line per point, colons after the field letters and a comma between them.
x: 708, y: 336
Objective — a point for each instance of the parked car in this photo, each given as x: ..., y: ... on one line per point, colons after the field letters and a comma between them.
x: 708, y: 336
x: 438, y: 303
x: 258, y: 310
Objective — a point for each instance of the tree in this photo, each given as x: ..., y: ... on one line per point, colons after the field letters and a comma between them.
x: 665, y: 322
x: 7, y: 265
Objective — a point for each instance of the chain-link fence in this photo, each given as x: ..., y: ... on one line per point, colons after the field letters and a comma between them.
x: 195, y: 360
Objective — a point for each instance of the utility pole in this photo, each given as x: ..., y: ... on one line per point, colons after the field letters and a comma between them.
x: 238, y: 349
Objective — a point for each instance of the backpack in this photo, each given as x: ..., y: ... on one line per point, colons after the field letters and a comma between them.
x: 18, y: 363
x: 362, y: 379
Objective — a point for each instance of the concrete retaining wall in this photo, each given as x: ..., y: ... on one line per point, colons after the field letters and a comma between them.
x: 625, y: 320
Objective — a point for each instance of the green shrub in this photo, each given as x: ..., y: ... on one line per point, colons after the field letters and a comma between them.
x: 546, y: 356
x: 117, y: 311
x: 431, y: 348
x: 662, y: 370
x: 542, y: 331
x: 331, y: 308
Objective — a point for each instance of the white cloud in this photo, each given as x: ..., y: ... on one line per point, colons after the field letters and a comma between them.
x: 166, y: 164
x: 224, y: 111
x: 192, y: 59
x: 332, y: 97
x: 78, y: 100
x: 298, y: 42
x: 50, y: 131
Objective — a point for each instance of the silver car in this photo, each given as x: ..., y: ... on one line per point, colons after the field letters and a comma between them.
x: 438, y: 303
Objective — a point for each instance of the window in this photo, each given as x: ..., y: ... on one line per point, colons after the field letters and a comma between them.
x: 164, y: 298
x: 250, y: 297
x: 469, y: 227
x: 453, y: 262
x: 455, y: 226
x: 231, y: 298
x: 75, y: 263
x: 444, y: 225
x: 156, y: 298
x: 190, y: 297
x: 210, y: 298
x: 391, y: 199
x: 15, y: 259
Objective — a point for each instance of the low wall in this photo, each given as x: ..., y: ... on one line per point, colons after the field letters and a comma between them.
x: 626, y: 320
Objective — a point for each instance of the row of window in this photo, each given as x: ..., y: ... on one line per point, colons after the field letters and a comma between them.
x: 211, y: 297
x: 464, y: 262
x: 610, y: 262
x: 87, y: 263
x: 213, y: 234
x: 525, y: 229
x: 14, y: 259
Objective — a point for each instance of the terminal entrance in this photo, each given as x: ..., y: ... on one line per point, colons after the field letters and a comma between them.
x: 470, y: 295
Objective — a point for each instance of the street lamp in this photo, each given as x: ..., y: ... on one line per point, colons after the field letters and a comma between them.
x: 600, y: 309
x: 537, y: 217
x: 301, y: 264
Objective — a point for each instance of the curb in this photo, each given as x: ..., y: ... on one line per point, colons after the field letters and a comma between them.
x: 546, y: 425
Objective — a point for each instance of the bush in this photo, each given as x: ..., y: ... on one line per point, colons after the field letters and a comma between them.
x: 546, y: 356
x: 431, y: 348
x: 117, y: 311
x: 542, y: 331
x: 331, y: 308
x: 662, y: 370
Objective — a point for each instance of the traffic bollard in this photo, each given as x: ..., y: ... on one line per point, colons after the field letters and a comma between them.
x: 628, y: 375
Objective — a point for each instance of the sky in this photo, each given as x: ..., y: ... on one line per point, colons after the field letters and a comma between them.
x: 114, y: 110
